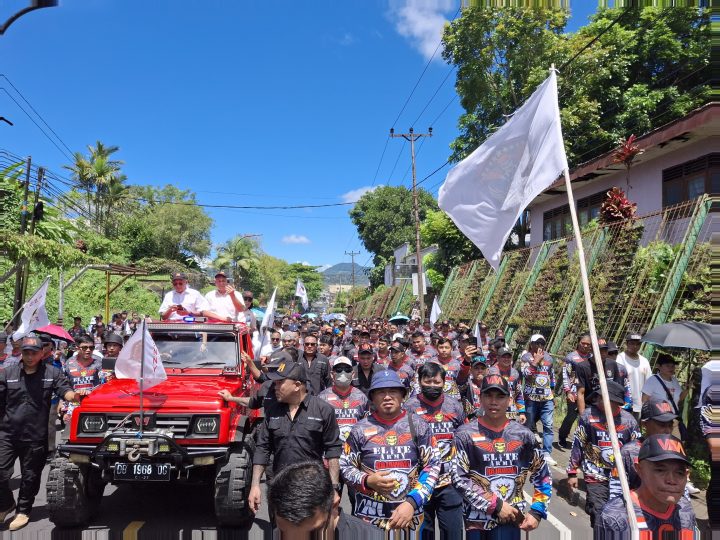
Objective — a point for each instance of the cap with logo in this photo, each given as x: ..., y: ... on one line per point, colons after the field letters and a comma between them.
x: 633, y: 336
x: 537, y: 338
x: 657, y: 409
x: 502, y: 351
x: 494, y: 382
x: 31, y: 343
x: 288, y: 369
x: 342, y: 361
x: 662, y: 448
x: 386, y: 379
x: 179, y: 275
x: 397, y: 347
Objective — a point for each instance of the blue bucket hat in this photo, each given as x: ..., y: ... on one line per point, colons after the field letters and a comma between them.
x: 386, y: 379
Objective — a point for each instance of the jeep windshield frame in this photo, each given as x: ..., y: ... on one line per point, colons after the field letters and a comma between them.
x: 191, y: 349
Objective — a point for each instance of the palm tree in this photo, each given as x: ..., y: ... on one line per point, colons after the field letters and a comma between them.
x: 95, y: 174
x: 238, y: 254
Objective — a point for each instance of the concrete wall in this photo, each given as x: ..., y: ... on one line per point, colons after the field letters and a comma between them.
x: 645, y: 181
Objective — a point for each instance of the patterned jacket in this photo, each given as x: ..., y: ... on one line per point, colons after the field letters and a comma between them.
x: 349, y: 407
x: 493, y: 465
x: 538, y: 382
x: 592, y: 449
x: 443, y: 418
x: 414, y: 462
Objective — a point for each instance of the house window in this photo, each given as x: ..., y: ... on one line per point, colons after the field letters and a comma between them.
x: 557, y: 222
x: 691, y: 179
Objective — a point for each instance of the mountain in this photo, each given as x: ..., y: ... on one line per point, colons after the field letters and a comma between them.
x: 341, y: 274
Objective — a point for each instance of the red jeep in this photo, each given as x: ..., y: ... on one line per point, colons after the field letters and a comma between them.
x: 188, y: 434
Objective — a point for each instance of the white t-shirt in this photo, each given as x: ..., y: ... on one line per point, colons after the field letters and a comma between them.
x: 653, y: 388
x: 222, y: 304
x: 247, y: 317
x: 638, y: 371
x: 191, y: 300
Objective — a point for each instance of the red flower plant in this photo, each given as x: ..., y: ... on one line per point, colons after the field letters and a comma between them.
x: 627, y: 151
x: 616, y: 207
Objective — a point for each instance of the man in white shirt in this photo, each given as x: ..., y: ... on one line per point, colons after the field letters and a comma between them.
x: 225, y: 300
x: 183, y: 301
x: 638, y: 369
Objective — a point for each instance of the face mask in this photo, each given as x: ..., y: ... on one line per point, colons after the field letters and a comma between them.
x: 431, y: 393
x: 343, y: 379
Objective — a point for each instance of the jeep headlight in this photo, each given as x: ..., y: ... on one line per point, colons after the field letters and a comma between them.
x: 92, y: 423
x: 206, y: 425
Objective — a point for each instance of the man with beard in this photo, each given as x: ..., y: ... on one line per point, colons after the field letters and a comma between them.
x: 444, y: 415
x: 390, y: 459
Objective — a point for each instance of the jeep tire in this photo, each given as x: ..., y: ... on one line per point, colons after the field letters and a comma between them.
x: 232, y: 487
x: 72, y: 498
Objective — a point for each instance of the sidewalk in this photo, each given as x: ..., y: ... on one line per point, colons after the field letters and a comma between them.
x: 560, y: 484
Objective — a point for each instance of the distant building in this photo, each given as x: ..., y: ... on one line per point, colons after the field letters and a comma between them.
x: 404, y: 263
x: 680, y: 162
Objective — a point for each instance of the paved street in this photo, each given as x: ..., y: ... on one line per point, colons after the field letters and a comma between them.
x: 186, y: 512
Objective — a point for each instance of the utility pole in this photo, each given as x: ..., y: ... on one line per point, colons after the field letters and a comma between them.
x: 412, y: 137
x: 33, y: 221
x: 352, y: 256
x: 20, y: 273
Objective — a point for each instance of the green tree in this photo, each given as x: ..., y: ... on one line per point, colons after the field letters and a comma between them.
x: 384, y: 218
x: 454, y: 248
x: 648, y: 69
x: 309, y: 275
x: 238, y: 255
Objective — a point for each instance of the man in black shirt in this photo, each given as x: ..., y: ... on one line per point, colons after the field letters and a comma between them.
x: 297, y: 427
x: 317, y: 366
x: 588, y: 386
x: 366, y: 368
x: 25, y: 392
x: 302, y: 499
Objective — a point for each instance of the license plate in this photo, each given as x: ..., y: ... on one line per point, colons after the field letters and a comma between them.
x: 143, y: 472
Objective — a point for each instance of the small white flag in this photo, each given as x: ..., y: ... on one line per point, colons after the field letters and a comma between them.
x: 34, y: 314
x: 435, y: 311
x: 267, y: 322
x: 137, y: 363
x: 486, y: 193
x: 476, y: 331
x: 302, y: 293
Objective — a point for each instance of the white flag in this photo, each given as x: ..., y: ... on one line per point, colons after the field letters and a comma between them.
x: 267, y: 322
x: 476, y: 331
x: 488, y: 191
x: 302, y: 293
x: 132, y: 357
x: 435, y: 311
x: 34, y: 314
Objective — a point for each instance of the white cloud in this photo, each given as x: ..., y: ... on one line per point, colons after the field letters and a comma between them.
x: 421, y: 22
x: 353, y: 195
x: 324, y: 267
x: 347, y: 39
x: 295, y: 239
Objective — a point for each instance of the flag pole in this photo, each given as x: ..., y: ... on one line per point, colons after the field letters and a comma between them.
x: 632, y: 520
x: 142, y: 378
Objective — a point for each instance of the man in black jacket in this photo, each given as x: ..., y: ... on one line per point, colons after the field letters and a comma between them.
x: 317, y: 366
x: 25, y: 392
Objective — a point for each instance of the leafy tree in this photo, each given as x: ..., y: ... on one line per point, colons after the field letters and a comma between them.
x: 648, y: 69
x: 384, y: 218
x: 309, y: 275
x: 238, y: 255
x: 454, y: 248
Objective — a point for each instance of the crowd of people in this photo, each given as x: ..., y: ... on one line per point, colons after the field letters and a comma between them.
x: 417, y: 423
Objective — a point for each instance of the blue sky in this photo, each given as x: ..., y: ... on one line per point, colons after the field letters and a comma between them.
x: 243, y: 102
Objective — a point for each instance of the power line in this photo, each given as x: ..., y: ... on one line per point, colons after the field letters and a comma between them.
x: 450, y: 72
x: 35, y: 111
x: 241, y: 207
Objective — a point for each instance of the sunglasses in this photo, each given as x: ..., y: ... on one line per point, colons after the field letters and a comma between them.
x: 178, y: 282
x: 343, y: 369
x: 86, y: 348
x: 311, y: 344
x: 275, y: 339
x: 247, y: 298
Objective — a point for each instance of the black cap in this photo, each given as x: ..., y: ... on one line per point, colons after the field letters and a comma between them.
x: 178, y: 275
x: 612, y: 347
x: 112, y: 337
x: 662, y: 448
x: 397, y: 347
x: 288, y: 369
x: 502, y: 351
x: 31, y: 343
x: 496, y: 382
x: 46, y: 339
x: 366, y: 348
x: 616, y: 392
x: 633, y: 336
x: 657, y: 409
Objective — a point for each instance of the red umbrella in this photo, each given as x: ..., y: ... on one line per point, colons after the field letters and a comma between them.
x: 56, y: 331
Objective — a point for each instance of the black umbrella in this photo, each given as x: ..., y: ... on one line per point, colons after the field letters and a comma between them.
x: 685, y: 335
